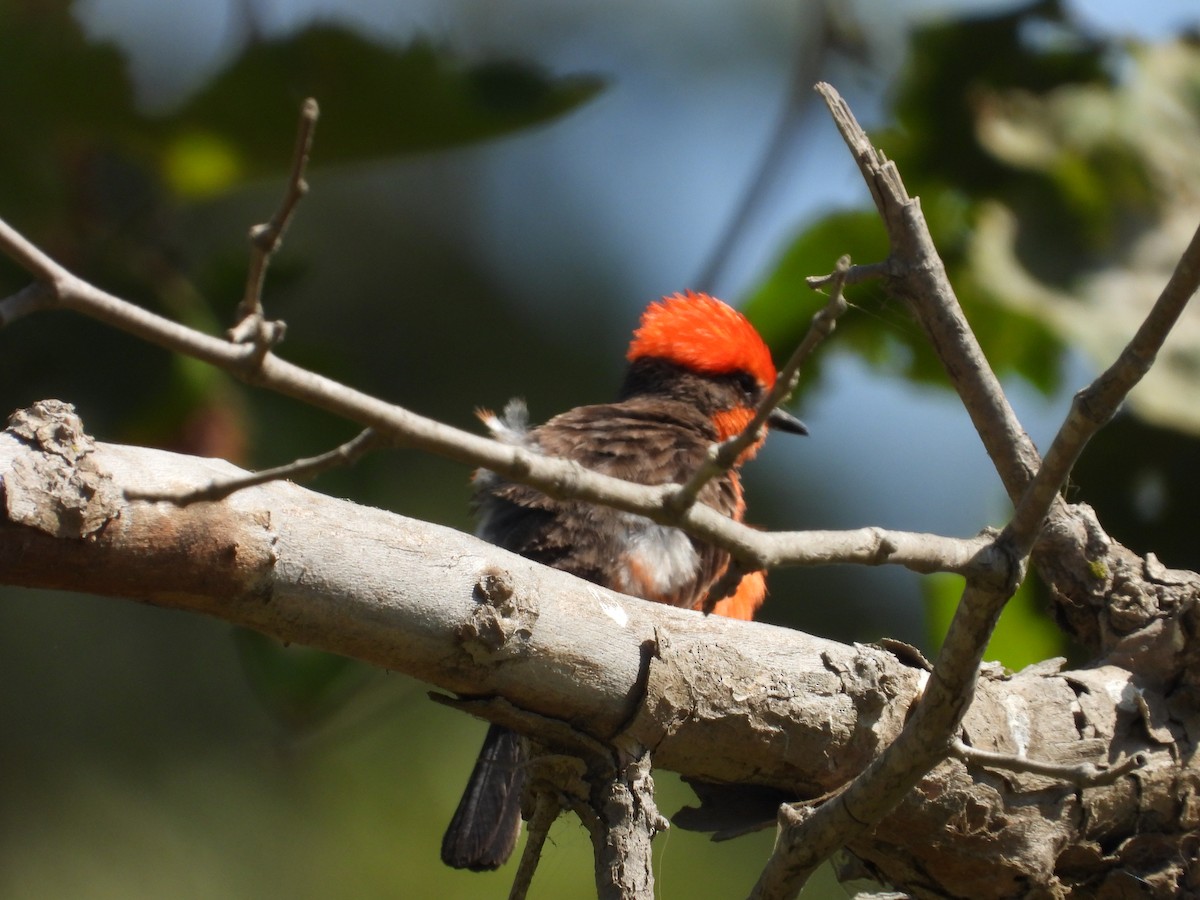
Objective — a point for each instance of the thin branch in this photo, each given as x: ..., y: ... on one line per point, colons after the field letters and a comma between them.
x: 1102, y: 398
x: 557, y: 477
x: 29, y: 257
x: 1082, y: 775
x: 871, y: 546
x: 856, y: 274
x: 298, y: 470
x: 30, y: 299
x: 266, y: 238
x: 808, y: 836
x: 915, y: 272
x: 728, y: 452
x: 545, y: 811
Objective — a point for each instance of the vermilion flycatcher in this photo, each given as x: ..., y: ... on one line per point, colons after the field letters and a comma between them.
x: 697, y: 372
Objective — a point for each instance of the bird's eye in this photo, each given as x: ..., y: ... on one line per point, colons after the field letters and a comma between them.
x: 748, y: 386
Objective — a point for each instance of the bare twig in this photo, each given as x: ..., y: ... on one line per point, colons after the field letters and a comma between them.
x: 30, y: 299
x: 915, y: 272
x: 728, y: 452
x: 251, y: 324
x: 298, y: 470
x: 26, y: 255
x: 808, y: 836
x: 856, y: 274
x: 545, y: 811
x: 1080, y: 774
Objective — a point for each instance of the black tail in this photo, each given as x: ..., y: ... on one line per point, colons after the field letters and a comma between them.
x: 484, y: 830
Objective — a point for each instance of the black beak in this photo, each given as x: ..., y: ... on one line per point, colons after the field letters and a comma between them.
x: 781, y: 420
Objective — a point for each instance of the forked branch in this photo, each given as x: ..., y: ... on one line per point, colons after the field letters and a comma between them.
x: 915, y: 273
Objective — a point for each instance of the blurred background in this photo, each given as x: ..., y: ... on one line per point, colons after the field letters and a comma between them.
x: 498, y: 189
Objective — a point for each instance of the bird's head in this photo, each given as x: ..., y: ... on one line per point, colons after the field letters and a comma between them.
x: 693, y: 347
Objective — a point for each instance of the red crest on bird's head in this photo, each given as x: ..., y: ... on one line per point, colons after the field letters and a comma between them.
x: 702, y: 334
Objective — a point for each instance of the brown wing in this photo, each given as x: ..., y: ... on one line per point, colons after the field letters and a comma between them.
x: 649, y: 441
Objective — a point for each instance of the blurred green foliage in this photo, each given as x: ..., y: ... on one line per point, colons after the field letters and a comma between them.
x: 379, y: 101
x: 1072, y: 213
x: 1024, y: 635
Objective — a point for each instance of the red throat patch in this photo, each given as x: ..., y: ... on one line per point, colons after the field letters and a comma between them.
x: 732, y: 422
x: 703, y: 334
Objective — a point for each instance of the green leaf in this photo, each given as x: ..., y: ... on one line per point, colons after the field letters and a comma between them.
x: 954, y: 65
x: 376, y: 101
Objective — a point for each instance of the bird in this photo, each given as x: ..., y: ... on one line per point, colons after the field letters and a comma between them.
x: 697, y: 372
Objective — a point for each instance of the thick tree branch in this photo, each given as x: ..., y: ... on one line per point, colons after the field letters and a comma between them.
x: 408, y: 596
x: 714, y: 699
